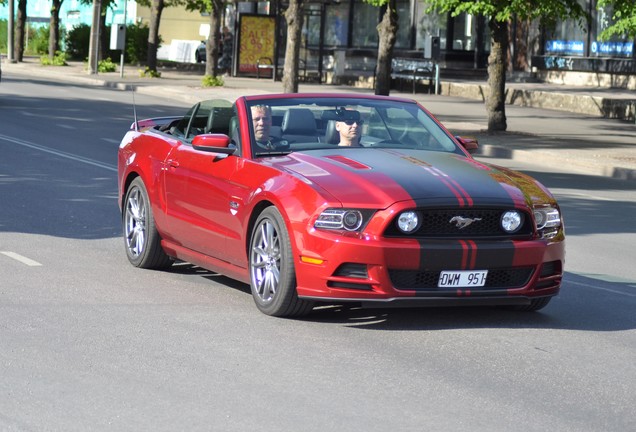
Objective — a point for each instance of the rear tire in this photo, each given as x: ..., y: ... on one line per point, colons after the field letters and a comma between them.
x: 142, y: 241
x: 272, y: 272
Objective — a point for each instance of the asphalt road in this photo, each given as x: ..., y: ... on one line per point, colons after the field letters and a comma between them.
x: 91, y: 343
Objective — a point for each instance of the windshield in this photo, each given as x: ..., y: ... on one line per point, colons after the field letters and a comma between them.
x: 302, y: 124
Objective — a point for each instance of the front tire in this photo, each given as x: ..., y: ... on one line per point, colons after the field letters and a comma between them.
x: 142, y: 241
x: 272, y: 272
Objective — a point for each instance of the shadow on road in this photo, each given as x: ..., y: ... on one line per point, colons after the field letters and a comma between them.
x: 584, y: 304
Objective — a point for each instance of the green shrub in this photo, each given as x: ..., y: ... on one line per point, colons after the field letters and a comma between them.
x: 106, y: 66
x: 58, y: 60
x: 3, y: 35
x: 147, y: 73
x: 78, y: 41
x: 212, y: 81
x: 137, y: 43
x: 39, y: 42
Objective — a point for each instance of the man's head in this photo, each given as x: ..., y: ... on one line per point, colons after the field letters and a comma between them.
x: 261, y: 121
x: 349, y: 125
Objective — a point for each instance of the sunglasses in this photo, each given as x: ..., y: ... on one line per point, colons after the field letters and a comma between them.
x: 350, y: 122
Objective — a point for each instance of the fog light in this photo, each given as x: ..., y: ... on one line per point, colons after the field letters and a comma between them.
x: 408, y: 222
x: 511, y: 221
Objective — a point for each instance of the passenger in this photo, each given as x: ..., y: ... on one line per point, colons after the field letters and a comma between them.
x: 350, y: 128
x: 262, y: 123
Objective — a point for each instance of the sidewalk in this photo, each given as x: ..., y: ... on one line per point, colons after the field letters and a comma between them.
x: 567, y: 140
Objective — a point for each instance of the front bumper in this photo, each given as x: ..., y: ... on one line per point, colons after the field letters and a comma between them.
x: 395, y: 272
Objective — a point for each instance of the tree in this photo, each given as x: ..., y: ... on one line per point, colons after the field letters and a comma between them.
x: 154, y: 40
x: 54, y: 28
x: 20, y: 30
x: 156, y: 8
x: 215, y: 9
x: 499, y: 13
x: 294, y: 19
x: 624, y: 16
x: 387, y: 35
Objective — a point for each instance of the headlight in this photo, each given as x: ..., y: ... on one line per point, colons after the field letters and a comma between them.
x: 547, y: 217
x: 409, y: 221
x: 511, y: 221
x: 338, y: 219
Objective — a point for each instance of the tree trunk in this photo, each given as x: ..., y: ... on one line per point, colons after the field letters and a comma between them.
x: 20, y: 30
x: 496, y: 103
x: 104, y: 40
x: 54, y: 30
x: 156, y: 9
x: 294, y: 18
x: 387, y: 31
x: 520, y: 39
x: 212, y: 45
x: 93, y: 47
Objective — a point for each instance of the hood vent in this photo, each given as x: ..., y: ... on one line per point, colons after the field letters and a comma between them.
x: 349, y: 162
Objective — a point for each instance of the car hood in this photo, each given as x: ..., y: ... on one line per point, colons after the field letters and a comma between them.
x: 379, y: 177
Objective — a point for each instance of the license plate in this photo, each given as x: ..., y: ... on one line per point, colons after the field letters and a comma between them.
x: 462, y: 278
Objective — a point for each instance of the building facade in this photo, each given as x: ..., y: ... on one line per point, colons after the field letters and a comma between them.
x: 340, y: 39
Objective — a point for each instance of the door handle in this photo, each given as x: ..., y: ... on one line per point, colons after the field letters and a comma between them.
x: 172, y: 163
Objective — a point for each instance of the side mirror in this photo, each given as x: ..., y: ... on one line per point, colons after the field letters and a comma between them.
x: 213, y: 143
x: 469, y: 143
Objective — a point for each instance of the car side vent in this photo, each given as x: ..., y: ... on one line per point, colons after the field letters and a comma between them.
x: 352, y: 270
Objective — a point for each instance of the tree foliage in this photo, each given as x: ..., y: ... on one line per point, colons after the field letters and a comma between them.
x: 499, y: 13
x: 624, y: 17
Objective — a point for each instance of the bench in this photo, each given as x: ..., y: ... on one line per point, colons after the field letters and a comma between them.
x: 414, y: 70
x: 264, y: 64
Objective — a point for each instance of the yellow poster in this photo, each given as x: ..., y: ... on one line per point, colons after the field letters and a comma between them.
x: 257, y: 40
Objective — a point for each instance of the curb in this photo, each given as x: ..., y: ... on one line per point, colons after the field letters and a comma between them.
x: 572, y: 161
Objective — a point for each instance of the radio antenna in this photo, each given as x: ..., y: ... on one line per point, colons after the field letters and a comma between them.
x: 135, y: 111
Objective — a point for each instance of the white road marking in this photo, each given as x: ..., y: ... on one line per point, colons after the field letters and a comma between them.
x: 63, y: 126
x: 602, y: 289
x: 110, y: 140
x: 20, y: 258
x: 58, y: 153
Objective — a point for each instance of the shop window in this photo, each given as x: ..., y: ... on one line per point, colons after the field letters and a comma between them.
x: 429, y: 24
x: 617, y: 46
x: 567, y: 38
x: 311, y: 30
x: 403, y: 39
x: 337, y: 25
x: 463, y: 37
x: 365, y: 32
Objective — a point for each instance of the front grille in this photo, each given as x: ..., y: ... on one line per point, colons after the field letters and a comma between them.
x: 427, y: 280
x: 437, y: 223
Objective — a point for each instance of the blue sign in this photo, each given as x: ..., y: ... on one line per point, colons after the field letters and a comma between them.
x: 564, y: 47
x: 613, y: 48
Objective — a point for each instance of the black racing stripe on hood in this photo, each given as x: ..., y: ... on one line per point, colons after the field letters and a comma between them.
x: 468, y: 181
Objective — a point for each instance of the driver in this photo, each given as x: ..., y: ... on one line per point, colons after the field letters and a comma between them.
x: 262, y: 123
x: 349, y: 126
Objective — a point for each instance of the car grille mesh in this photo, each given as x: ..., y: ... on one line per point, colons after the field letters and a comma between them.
x: 437, y: 223
x: 427, y: 280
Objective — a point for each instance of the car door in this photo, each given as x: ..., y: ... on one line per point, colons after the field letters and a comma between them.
x: 197, y: 191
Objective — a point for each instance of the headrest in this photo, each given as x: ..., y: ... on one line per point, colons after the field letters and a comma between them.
x: 299, y: 121
x: 219, y: 120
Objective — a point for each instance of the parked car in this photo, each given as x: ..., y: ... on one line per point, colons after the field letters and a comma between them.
x: 200, y: 54
x: 408, y: 217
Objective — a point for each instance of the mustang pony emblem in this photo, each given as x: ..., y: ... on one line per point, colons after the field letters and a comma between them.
x: 462, y: 222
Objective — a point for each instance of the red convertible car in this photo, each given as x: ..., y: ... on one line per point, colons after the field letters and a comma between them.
x: 314, y: 198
